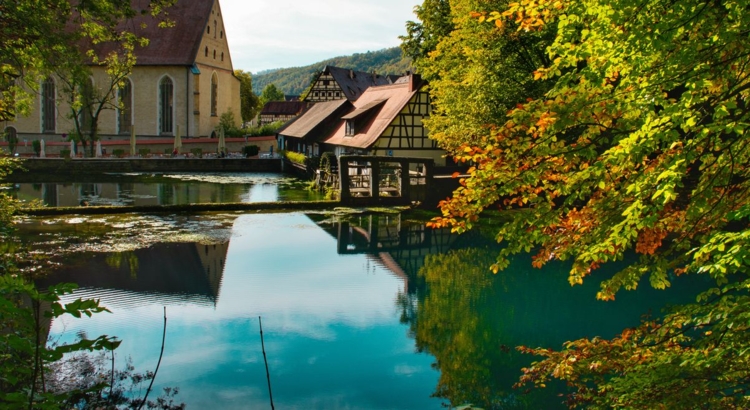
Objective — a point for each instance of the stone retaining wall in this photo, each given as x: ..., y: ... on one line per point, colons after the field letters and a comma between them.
x: 91, y: 165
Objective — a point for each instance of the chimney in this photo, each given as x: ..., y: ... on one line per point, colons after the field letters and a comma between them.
x: 415, y: 80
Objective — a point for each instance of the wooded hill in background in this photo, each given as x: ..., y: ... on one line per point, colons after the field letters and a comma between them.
x: 293, y: 81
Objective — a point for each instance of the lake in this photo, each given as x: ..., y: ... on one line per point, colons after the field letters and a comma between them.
x: 167, y: 189
x: 359, y: 311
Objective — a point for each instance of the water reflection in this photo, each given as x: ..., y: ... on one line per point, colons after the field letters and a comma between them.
x: 165, y: 273
x: 168, y: 189
x: 366, y: 312
x: 331, y: 324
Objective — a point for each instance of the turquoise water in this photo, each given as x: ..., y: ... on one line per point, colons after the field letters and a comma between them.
x: 358, y: 311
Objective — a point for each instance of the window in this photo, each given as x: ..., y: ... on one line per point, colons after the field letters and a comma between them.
x: 214, y: 54
x: 214, y: 94
x: 338, y: 94
x: 166, y: 101
x: 215, y: 28
x: 222, y: 56
x: 48, y: 105
x: 326, y: 82
x: 349, y: 127
x: 11, y: 134
x: 206, y: 51
x: 221, y: 34
x: 125, y: 113
x: 208, y: 29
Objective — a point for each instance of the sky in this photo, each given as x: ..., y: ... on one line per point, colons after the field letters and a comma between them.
x: 268, y: 34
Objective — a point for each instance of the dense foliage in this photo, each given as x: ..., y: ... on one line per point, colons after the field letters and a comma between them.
x: 270, y: 93
x: 627, y: 138
x: 249, y: 102
x: 293, y: 81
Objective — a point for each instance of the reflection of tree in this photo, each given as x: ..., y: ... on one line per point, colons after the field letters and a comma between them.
x: 472, y: 321
x: 124, y: 260
x: 458, y: 322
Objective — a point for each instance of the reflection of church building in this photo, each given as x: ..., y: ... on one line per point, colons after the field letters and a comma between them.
x: 165, y: 273
x: 182, y: 82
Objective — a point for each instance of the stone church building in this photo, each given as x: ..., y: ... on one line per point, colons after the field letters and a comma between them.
x: 182, y: 82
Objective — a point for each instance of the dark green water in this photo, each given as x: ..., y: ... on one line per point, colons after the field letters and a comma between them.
x: 166, y: 189
x: 359, y: 312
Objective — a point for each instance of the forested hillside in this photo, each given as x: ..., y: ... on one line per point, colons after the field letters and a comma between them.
x: 293, y: 81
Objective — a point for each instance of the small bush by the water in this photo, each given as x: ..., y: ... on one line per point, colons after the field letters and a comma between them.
x: 118, y: 152
x: 295, y: 157
x: 144, y: 152
x: 250, y: 150
x: 64, y: 153
x: 197, y: 152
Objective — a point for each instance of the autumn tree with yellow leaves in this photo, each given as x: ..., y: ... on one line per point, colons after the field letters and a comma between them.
x: 633, y: 143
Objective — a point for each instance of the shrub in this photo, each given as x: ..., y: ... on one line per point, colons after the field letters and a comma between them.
x: 36, y: 145
x: 250, y: 150
x: 268, y: 129
x: 144, y: 152
x: 119, y: 152
x: 296, y: 157
x: 228, y: 123
x: 65, y: 153
x: 197, y: 152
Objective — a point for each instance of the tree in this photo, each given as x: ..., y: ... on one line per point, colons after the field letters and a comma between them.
x: 638, y: 148
x: 271, y: 93
x: 34, y: 48
x: 249, y: 102
x: 422, y: 37
x: 104, y: 30
x: 476, y: 73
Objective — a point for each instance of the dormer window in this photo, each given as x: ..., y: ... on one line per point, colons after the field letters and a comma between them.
x: 361, y: 117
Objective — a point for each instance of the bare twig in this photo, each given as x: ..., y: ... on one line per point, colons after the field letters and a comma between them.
x: 268, y: 375
x: 161, y: 354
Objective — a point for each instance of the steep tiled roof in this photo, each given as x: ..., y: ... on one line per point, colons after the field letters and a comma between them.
x: 283, y: 108
x: 317, y: 118
x: 354, y: 83
x: 177, y: 45
x: 393, y: 98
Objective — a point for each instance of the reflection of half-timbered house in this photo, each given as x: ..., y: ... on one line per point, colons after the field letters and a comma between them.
x: 385, y: 120
x: 334, y: 83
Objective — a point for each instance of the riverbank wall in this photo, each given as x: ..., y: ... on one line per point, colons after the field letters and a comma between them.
x: 90, y: 166
x: 146, y: 147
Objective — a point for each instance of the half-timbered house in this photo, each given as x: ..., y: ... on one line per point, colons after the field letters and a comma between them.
x: 386, y: 120
x: 275, y: 111
x: 334, y: 83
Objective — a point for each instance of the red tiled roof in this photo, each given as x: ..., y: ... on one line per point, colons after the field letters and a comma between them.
x: 393, y: 98
x: 177, y: 45
x: 315, y: 119
x: 283, y: 108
